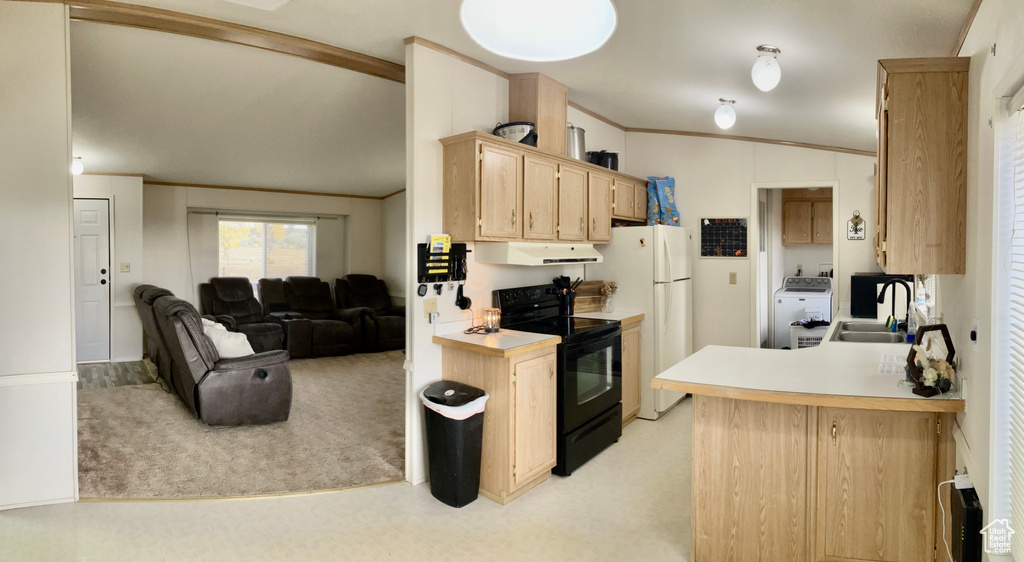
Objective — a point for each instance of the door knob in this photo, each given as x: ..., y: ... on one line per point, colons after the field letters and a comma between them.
x: 103, y: 281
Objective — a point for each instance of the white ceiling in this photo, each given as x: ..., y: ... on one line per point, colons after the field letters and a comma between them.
x: 186, y: 110
x: 665, y: 67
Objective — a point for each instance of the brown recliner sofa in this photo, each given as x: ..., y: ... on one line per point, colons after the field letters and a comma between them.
x: 251, y: 390
x: 385, y: 329
x: 313, y: 326
x: 145, y: 296
x: 230, y: 301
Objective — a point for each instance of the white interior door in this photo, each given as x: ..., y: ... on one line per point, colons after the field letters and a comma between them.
x: 92, y: 280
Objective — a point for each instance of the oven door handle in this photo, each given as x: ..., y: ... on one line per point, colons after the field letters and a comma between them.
x: 597, y: 344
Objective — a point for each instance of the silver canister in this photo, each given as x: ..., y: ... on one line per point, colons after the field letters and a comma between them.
x: 575, y: 147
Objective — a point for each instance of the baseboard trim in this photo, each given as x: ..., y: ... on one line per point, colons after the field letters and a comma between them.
x: 36, y: 504
x: 42, y: 378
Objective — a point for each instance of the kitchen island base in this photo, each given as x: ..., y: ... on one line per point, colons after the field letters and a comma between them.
x: 801, y: 482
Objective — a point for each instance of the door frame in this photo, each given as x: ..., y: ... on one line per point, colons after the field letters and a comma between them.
x: 754, y: 241
x: 111, y: 286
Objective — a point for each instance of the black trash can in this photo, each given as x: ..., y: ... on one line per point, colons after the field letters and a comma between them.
x: 455, y: 428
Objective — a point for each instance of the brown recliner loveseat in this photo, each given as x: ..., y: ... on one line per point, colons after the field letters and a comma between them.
x: 384, y: 330
x: 230, y: 301
x: 251, y: 390
x: 313, y: 326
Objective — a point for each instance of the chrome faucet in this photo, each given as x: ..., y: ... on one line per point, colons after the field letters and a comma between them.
x: 881, y: 299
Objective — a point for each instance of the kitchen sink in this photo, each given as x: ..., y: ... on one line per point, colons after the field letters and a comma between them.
x: 862, y: 326
x: 870, y: 337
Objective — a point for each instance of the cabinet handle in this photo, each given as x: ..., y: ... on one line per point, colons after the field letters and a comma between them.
x: 595, y: 225
x: 513, y: 217
x: 833, y: 431
x: 581, y: 225
x: 531, y: 220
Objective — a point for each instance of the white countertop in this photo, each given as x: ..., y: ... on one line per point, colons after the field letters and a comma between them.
x: 836, y: 369
x: 620, y: 315
x: 504, y: 342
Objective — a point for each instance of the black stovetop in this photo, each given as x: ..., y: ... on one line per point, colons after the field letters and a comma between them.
x: 536, y: 309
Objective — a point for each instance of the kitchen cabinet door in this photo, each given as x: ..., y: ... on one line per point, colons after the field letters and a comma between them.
x: 572, y: 203
x: 881, y: 195
x: 534, y: 392
x: 501, y: 193
x: 540, y: 198
x: 623, y: 194
x: 821, y: 219
x: 630, y: 372
x: 599, y: 207
x: 876, y: 485
x: 640, y: 205
x: 796, y: 222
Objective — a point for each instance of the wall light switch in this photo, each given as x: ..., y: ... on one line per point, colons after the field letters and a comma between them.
x: 732, y: 277
x: 126, y: 267
x: 429, y: 307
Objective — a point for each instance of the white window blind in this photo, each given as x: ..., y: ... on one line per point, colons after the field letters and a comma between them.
x: 1014, y: 352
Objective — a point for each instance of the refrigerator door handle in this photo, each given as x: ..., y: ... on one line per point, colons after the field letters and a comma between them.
x: 668, y: 259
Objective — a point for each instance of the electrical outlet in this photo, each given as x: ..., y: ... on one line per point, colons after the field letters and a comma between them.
x: 732, y: 277
x: 962, y: 481
x: 429, y: 307
x: 126, y: 267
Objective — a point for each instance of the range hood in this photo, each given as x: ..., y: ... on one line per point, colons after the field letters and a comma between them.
x: 535, y: 253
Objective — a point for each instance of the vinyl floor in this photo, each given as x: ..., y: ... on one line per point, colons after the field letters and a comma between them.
x: 109, y: 375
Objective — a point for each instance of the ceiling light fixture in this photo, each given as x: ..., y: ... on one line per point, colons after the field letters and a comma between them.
x: 77, y: 167
x: 766, y: 72
x: 539, y: 30
x: 725, y: 115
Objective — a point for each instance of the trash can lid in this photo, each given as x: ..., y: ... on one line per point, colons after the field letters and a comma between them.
x: 454, y: 399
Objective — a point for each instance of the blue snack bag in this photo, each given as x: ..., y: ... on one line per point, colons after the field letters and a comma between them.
x: 661, y: 201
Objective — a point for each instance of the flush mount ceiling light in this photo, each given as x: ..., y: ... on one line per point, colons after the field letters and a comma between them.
x: 725, y: 115
x: 539, y: 30
x: 766, y: 72
x: 77, y: 167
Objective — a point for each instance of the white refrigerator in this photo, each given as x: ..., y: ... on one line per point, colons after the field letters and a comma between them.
x: 651, y: 266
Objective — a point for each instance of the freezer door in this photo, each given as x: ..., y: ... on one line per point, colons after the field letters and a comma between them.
x: 671, y: 253
x: 673, y: 339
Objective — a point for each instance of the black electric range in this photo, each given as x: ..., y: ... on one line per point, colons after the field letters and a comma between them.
x: 589, y: 370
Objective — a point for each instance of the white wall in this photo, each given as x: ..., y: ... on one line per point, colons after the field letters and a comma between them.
x: 444, y: 97
x: 713, y: 179
x: 599, y: 135
x: 180, y: 248
x: 394, y: 251
x: 961, y: 298
x: 37, y: 359
x: 125, y: 196
x: 808, y: 256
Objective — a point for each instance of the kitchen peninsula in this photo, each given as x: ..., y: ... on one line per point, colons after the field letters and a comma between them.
x: 808, y: 455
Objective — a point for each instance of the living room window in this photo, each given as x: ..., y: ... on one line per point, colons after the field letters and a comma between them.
x: 257, y: 248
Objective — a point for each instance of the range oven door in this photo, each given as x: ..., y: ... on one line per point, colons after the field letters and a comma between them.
x: 590, y: 373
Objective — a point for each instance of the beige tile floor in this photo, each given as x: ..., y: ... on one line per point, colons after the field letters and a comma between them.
x: 630, y: 503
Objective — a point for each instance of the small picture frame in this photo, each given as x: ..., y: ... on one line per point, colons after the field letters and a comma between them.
x: 856, y: 228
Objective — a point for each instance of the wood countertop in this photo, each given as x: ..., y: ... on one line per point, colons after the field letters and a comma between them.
x: 626, y: 317
x: 505, y: 343
x: 834, y: 374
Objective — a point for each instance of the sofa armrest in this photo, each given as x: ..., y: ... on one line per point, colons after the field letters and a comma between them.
x: 352, y: 315
x: 227, y: 321
x: 280, y: 316
x: 265, y: 359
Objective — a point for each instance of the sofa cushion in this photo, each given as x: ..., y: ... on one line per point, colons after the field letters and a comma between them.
x: 362, y: 290
x: 309, y: 296
x: 233, y: 296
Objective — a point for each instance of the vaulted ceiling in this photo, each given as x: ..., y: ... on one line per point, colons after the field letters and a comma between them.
x: 190, y: 110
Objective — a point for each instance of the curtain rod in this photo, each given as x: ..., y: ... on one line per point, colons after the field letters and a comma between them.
x: 242, y: 215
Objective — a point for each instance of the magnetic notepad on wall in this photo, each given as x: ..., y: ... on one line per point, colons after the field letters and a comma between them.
x: 723, y: 238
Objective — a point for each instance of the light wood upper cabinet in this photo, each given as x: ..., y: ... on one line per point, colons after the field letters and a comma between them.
x: 572, y: 203
x: 630, y: 372
x: 534, y: 389
x: 498, y: 190
x: 807, y: 216
x: 599, y: 207
x: 921, y: 224
x: 542, y: 101
x: 876, y: 485
x: 623, y: 199
x: 640, y: 202
x: 796, y: 222
x: 821, y: 222
x: 540, y: 198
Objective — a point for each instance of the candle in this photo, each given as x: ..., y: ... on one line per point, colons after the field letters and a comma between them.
x: 492, y: 319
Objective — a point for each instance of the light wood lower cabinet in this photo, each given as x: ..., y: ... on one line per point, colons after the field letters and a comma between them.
x: 806, y: 483
x: 519, y: 417
x: 630, y: 372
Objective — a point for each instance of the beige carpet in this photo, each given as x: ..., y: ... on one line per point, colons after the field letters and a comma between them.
x: 346, y: 428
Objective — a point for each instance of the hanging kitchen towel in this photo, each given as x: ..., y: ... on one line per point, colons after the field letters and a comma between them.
x: 661, y: 201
